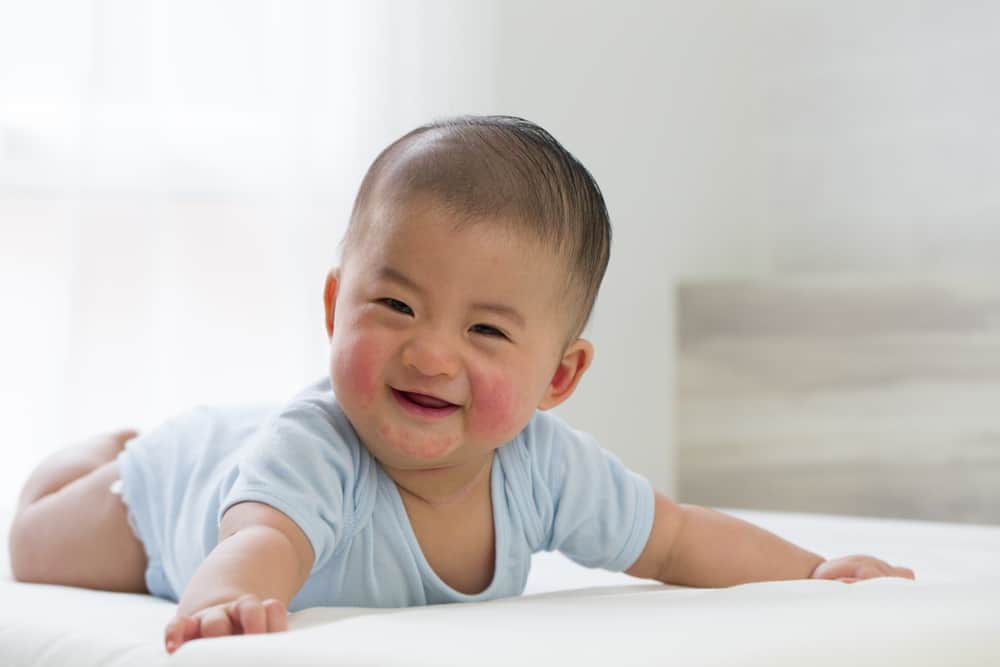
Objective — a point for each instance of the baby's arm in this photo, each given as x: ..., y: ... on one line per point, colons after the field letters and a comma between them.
x: 244, y: 586
x: 694, y: 546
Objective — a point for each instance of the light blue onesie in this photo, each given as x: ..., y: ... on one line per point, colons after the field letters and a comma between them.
x: 553, y: 488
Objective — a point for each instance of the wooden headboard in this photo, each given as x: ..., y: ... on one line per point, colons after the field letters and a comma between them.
x: 870, y: 396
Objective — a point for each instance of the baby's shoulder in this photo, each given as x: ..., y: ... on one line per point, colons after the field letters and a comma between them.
x: 547, y: 434
x: 315, y: 411
x: 547, y: 447
x: 312, y: 431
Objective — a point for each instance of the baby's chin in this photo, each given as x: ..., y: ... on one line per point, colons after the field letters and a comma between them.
x: 413, y: 448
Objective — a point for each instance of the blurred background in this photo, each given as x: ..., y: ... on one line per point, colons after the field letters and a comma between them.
x: 175, y: 177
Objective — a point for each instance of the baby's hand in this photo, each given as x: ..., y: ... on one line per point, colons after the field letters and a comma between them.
x: 246, y: 615
x: 854, y: 568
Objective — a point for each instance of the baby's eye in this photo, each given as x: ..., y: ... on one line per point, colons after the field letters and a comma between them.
x: 487, y: 330
x: 397, y: 305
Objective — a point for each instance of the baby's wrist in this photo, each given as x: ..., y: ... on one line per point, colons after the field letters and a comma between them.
x: 816, y: 566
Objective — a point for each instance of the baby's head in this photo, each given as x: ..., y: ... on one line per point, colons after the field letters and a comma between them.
x: 498, y: 170
x: 474, y: 255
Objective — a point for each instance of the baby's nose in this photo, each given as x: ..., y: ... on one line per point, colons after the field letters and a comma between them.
x: 431, y: 355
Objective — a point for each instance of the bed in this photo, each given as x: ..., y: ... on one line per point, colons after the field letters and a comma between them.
x: 570, y: 615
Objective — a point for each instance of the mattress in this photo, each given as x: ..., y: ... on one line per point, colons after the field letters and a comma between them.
x: 570, y: 615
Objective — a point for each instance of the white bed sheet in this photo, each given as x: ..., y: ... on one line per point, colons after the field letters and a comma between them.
x: 569, y: 615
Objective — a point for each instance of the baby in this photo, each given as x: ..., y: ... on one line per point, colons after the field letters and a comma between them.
x: 423, y: 468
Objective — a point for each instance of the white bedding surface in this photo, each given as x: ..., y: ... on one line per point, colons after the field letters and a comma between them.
x: 569, y: 615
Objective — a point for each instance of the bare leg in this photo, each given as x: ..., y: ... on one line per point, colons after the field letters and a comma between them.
x: 70, y: 529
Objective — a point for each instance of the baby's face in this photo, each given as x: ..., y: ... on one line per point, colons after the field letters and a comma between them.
x: 444, y: 342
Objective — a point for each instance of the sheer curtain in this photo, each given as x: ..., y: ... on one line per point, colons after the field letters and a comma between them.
x: 174, y: 179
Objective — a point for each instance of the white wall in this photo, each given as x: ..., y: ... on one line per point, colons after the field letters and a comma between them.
x: 872, y: 131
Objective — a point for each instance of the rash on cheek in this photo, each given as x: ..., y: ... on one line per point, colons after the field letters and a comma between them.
x: 363, y: 376
x: 355, y: 369
x: 494, y: 412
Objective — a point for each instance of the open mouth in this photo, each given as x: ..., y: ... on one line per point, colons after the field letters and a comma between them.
x: 423, y: 404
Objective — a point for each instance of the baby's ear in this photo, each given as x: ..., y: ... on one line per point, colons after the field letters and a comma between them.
x: 574, y: 363
x: 330, y: 298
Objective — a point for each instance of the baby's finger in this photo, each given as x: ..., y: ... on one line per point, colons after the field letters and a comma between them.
x: 252, y: 618
x: 180, y: 630
x: 904, y: 572
x: 215, y: 622
x: 277, y: 615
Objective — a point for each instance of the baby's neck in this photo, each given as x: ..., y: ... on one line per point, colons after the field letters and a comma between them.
x: 441, y: 487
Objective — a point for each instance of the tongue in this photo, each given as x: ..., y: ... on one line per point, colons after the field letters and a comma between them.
x: 427, y: 401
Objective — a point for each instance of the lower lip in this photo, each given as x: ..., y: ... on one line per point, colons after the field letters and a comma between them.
x: 420, y: 410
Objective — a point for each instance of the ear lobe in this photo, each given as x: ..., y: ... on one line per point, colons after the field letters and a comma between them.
x: 574, y: 363
x: 330, y: 298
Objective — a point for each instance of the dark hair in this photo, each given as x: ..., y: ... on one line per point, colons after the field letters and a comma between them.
x: 500, y: 167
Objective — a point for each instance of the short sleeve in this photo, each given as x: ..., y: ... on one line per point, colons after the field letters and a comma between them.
x: 301, y: 463
x: 590, y: 506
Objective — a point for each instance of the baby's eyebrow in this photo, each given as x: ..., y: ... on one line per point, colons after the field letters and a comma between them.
x: 503, y: 310
x: 389, y: 273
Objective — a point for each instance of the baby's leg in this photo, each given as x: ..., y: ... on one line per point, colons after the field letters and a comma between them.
x: 70, y: 529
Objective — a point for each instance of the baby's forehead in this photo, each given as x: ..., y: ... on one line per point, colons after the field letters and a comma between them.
x: 393, y: 218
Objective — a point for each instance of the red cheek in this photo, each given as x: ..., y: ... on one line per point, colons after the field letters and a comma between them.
x: 495, y: 410
x: 355, y: 370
